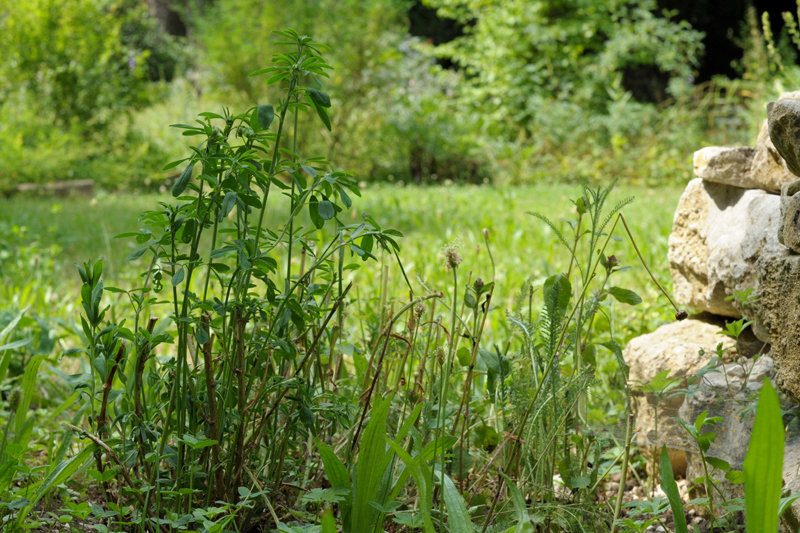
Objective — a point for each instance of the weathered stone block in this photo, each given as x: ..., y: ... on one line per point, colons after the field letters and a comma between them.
x: 779, y: 312
x: 791, y: 224
x: 768, y: 168
x: 718, y: 234
x: 784, y: 131
x: 727, y: 165
x: 675, y: 347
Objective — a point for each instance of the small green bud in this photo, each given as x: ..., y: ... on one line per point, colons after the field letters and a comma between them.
x: 14, y: 399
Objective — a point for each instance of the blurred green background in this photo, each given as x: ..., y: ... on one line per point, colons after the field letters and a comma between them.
x: 475, y: 91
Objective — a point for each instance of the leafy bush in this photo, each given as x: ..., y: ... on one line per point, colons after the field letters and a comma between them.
x: 72, y: 73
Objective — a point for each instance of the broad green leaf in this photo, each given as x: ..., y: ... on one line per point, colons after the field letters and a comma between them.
x: 313, y: 211
x: 227, y: 203
x: 178, y: 277
x: 721, y: 464
x: 326, y: 210
x: 201, y: 335
x: 564, y: 288
x: 323, y: 115
x: 735, y: 476
x: 670, y: 488
x: 457, y: 514
x: 331, y: 495
x: 625, y: 296
x: 763, y: 466
x: 266, y: 114
x: 337, y: 475
x: 319, y: 98
x: 370, y: 465
x: 182, y: 182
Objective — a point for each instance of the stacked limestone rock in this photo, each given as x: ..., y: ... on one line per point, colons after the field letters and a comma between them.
x: 737, y: 227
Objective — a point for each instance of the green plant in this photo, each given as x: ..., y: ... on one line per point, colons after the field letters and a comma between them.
x: 251, y: 338
x: 763, y: 467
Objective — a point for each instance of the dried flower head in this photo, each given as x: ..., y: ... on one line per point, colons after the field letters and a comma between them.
x: 419, y: 309
x: 452, y: 256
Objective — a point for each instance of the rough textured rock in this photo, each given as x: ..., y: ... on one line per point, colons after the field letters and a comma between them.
x: 791, y: 224
x: 675, y: 347
x: 778, y: 312
x: 730, y: 393
x: 728, y: 165
x: 787, y: 191
x: 727, y: 393
x: 768, y: 167
x: 718, y: 234
x: 790, y: 520
x: 783, y: 118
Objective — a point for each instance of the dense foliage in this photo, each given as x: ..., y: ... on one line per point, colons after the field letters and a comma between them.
x: 529, y: 90
x: 522, y: 57
x: 242, y: 381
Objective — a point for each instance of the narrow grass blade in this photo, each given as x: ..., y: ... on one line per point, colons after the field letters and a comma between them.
x: 59, y: 475
x: 671, y: 490
x: 28, y: 386
x: 763, y: 466
x: 520, y: 508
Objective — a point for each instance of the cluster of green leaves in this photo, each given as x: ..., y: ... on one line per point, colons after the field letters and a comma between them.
x: 83, y: 66
x: 521, y: 56
x: 762, y: 477
x: 212, y: 422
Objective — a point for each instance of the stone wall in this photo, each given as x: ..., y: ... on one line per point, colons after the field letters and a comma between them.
x: 734, y: 252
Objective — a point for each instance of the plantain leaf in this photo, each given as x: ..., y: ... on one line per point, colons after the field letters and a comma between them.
x: 28, y: 386
x: 337, y: 476
x: 763, y: 466
x: 671, y: 490
x: 457, y: 514
x: 421, y: 477
x: 520, y: 509
x: 370, y: 466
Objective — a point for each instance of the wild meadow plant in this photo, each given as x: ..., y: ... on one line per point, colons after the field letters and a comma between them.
x: 248, y: 389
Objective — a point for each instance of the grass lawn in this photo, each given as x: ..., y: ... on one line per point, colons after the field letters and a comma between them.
x: 523, y: 246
